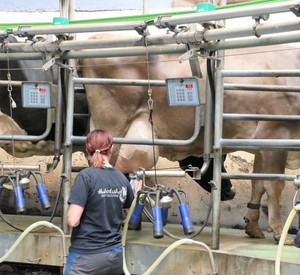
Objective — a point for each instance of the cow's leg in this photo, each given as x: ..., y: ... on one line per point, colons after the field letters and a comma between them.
x: 268, y: 162
x: 276, y: 162
x: 253, y: 213
x: 132, y: 157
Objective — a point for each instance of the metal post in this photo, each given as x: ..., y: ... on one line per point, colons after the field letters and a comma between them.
x: 216, y: 190
x: 68, y: 145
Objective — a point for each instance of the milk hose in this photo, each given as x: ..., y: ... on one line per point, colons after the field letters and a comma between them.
x: 283, y: 237
x: 27, y: 230
x: 166, y: 252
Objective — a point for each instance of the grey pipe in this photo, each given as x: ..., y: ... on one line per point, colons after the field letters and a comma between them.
x: 162, y: 142
x: 253, y: 42
x: 258, y: 176
x: 127, y: 82
x: 68, y: 145
x: 226, y: 14
x: 261, y: 117
x: 270, y: 88
x: 19, y: 167
x: 23, y: 31
x: 29, y: 137
x: 161, y: 173
x: 58, y: 125
x: 216, y: 191
x: 179, y: 38
x: 260, y: 73
x: 258, y: 143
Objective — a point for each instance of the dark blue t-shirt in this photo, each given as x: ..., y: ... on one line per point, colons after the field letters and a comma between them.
x: 103, y: 193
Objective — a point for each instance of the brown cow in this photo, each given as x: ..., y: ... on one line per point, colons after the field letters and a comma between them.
x: 124, y: 111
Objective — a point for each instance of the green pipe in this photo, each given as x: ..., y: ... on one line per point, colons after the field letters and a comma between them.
x: 145, y: 17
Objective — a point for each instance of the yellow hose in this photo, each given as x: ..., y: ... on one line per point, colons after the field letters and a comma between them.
x: 283, y: 237
x: 28, y: 229
x: 166, y: 252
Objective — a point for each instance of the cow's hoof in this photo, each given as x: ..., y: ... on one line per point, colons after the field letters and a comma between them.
x: 228, y: 194
x: 253, y: 231
x: 269, y: 229
x: 288, y: 240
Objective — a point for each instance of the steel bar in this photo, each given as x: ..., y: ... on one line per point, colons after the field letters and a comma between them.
x: 165, y: 39
x: 260, y: 29
x: 30, y: 137
x: 127, y: 82
x: 68, y: 145
x: 258, y: 176
x: 13, y: 83
x: 266, y: 143
x: 261, y: 117
x: 79, y: 140
x: 19, y: 167
x: 23, y: 31
x: 260, y: 73
x: 161, y: 173
x: 253, y: 42
x: 216, y: 190
x: 270, y: 88
x: 225, y: 14
x: 137, y: 51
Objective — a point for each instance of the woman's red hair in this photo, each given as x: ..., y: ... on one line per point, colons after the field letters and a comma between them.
x: 98, y: 143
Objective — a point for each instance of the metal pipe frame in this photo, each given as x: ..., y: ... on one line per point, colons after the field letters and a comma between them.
x: 29, y: 137
x: 253, y: 42
x: 260, y: 88
x: 259, y: 144
x: 166, y: 39
x: 216, y: 190
x: 164, y: 22
x: 23, y: 31
x: 176, y: 174
x: 68, y: 145
x: 261, y: 117
x: 19, y: 167
x: 260, y: 73
x: 259, y: 176
x: 126, y: 82
x: 78, y: 140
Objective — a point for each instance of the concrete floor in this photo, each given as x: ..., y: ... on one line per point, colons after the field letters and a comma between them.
x: 238, y: 254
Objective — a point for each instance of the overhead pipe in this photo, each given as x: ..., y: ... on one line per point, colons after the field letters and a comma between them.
x: 253, y: 42
x: 194, y: 36
x: 166, y: 21
x: 23, y: 31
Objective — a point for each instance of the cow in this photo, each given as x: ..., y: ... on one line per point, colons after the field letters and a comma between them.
x: 124, y: 112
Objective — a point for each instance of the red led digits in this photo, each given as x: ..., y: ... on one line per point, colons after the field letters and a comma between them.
x: 189, y: 86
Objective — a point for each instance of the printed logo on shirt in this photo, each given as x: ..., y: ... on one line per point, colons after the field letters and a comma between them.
x: 122, y: 193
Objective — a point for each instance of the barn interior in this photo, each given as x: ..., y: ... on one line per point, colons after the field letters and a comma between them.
x: 218, y: 248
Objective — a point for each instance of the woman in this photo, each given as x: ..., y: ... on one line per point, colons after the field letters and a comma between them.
x: 98, y: 196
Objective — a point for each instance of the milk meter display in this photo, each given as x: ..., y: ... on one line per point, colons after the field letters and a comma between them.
x: 37, y: 95
x: 185, y: 91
